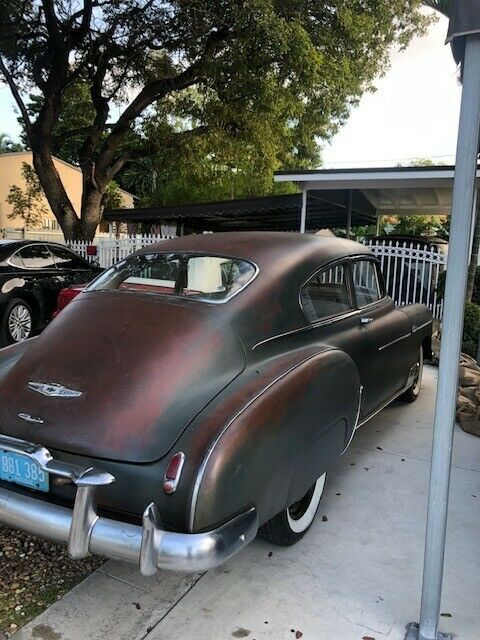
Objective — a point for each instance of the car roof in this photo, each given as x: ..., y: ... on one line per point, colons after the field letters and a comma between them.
x: 269, y: 304
x: 7, y: 247
x: 263, y: 247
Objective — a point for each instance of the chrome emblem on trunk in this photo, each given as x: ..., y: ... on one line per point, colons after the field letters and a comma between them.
x: 28, y: 418
x: 54, y: 390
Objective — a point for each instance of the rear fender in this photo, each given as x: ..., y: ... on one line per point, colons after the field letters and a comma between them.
x: 10, y: 355
x: 272, y: 450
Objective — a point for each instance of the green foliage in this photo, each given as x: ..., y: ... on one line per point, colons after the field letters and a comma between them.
x: 28, y: 202
x: 471, y: 329
x: 7, y: 145
x: 257, y: 82
x: 73, y: 122
x: 113, y: 197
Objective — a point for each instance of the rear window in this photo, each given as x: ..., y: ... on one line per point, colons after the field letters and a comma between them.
x: 207, y: 278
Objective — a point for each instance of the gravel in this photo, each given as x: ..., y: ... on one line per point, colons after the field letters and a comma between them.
x: 34, y: 573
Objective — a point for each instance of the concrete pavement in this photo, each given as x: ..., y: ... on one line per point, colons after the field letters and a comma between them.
x: 356, y: 575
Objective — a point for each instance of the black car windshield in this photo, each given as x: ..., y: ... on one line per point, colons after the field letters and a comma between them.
x: 206, y: 278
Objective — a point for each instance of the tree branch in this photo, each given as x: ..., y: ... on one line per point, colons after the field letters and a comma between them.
x: 17, y: 97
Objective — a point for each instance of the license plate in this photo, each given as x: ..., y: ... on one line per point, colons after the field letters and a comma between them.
x: 14, y: 467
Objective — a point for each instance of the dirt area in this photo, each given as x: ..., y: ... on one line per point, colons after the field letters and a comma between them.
x: 34, y: 573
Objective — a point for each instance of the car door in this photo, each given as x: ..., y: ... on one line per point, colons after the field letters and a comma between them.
x: 388, y: 331
x: 42, y: 279
x: 328, y: 303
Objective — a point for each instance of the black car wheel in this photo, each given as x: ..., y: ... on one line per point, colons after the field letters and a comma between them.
x: 18, y: 323
x: 413, y: 392
x: 291, y: 525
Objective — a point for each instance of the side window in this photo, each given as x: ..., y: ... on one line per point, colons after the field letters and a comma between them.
x: 366, y: 282
x: 37, y: 256
x: 66, y: 259
x: 326, y: 294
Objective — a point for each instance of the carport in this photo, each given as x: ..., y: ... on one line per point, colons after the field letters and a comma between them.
x: 464, y: 34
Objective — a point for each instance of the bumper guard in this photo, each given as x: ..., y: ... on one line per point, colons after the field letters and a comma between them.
x: 85, y: 532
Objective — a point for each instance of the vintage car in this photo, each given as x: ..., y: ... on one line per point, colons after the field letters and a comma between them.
x: 196, y: 393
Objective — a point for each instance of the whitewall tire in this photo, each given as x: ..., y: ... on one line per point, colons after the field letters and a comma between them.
x: 291, y: 525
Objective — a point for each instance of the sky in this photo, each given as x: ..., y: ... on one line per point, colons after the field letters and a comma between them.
x: 413, y: 113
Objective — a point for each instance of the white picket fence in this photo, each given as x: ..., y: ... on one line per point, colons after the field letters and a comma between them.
x: 411, y: 271
x: 106, y: 251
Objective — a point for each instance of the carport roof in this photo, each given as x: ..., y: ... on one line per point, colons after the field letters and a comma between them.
x: 403, y: 190
x: 326, y: 209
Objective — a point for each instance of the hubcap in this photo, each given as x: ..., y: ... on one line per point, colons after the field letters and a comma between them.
x: 20, y: 323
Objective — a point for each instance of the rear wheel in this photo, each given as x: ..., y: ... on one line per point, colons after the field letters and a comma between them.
x: 413, y: 392
x: 292, y: 524
x: 17, y: 323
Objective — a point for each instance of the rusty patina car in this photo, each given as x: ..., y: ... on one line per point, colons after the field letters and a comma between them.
x: 197, y: 392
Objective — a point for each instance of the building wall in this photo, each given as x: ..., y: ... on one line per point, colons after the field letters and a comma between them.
x: 11, y: 174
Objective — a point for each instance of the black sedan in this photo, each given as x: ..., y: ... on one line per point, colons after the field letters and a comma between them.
x: 31, y: 275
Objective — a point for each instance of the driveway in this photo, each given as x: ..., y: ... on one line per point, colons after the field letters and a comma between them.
x: 356, y: 575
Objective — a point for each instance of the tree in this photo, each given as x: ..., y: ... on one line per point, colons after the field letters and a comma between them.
x: 299, y: 66
x: 28, y: 203
x: 7, y: 145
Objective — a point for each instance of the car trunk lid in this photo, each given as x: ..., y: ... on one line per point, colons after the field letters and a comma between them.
x: 127, y: 373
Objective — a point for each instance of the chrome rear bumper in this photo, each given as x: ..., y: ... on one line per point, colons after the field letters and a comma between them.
x: 85, y: 532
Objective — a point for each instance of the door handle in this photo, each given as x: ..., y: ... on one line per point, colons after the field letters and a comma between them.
x: 366, y: 320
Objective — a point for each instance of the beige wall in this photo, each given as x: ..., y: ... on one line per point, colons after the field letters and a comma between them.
x: 11, y: 174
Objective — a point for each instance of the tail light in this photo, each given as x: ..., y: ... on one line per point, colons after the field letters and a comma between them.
x: 65, y: 297
x: 173, y: 472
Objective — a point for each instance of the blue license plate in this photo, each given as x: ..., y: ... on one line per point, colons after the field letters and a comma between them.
x: 14, y: 467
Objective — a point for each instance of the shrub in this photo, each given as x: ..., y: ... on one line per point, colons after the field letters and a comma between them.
x: 471, y: 329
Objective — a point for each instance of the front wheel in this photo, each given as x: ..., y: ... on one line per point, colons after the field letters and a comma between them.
x: 292, y: 524
x: 412, y: 393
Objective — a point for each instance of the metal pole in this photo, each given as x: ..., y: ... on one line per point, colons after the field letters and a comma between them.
x: 458, y: 258
x: 303, y: 217
x: 349, y: 214
x: 377, y: 230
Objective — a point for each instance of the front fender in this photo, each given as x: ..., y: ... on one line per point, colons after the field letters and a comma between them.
x: 283, y: 437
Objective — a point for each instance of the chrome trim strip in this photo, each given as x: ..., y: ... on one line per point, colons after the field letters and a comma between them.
x: 392, y: 342
x: 357, y: 417
x: 422, y: 326
x: 203, y: 466
x: 372, y: 415
x: 309, y: 327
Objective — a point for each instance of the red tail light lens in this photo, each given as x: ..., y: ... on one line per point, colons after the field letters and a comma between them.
x: 173, y: 472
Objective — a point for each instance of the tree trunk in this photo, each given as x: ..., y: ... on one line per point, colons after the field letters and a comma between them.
x: 472, y: 268
x: 55, y: 193
x: 92, y: 205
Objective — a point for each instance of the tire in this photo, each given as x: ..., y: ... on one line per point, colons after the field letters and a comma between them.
x: 412, y: 393
x: 289, y: 526
x: 17, y: 322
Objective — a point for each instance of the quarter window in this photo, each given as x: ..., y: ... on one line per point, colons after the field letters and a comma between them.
x: 326, y: 294
x: 365, y: 282
x: 65, y: 259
